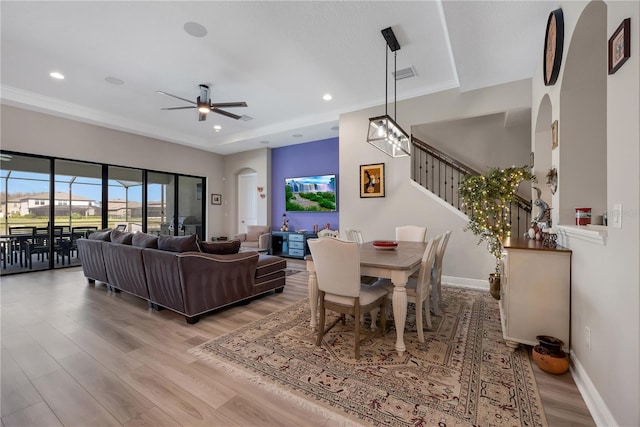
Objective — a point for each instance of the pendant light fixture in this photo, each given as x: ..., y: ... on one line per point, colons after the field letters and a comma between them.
x: 384, y: 133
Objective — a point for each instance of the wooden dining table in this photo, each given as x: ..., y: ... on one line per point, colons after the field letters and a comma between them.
x: 397, y: 264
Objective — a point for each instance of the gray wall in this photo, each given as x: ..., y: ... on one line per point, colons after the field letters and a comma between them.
x: 36, y: 133
x: 405, y: 202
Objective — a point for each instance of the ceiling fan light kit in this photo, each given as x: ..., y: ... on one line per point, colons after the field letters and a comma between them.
x: 384, y: 133
x: 204, y: 105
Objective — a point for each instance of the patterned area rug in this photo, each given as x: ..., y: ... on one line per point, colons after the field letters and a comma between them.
x: 463, y: 375
x: 291, y: 271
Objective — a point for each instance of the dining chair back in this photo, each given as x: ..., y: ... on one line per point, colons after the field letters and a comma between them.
x: 411, y: 233
x: 436, y: 273
x: 337, y: 266
x: 79, y: 233
x: 354, y: 235
x: 329, y: 233
x: 22, y: 237
x: 418, y: 287
x: 22, y: 230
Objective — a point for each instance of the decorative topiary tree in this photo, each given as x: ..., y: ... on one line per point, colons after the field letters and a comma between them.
x: 489, y: 197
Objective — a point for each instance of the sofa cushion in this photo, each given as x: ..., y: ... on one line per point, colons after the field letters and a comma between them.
x: 104, y: 235
x: 269, y: 264
x: 270, y: 274
x: 122, y: 237
x: 144, y: 240
x: 178, y: 243
x: 254, y: 231
x: 221, y: 248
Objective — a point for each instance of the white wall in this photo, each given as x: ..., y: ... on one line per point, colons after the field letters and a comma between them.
x: 605, y: 274
x: 36, y: 133
x: 480, y: 142
x: 258, y: 161
x: 405, y: 203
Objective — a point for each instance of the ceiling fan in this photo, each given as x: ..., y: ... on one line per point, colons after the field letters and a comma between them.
x: 204, y: 105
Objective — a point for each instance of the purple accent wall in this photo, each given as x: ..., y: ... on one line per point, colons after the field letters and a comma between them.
x: 312, y: 158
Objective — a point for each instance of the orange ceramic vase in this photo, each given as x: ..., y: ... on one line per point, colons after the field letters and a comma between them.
x: 549, y: 355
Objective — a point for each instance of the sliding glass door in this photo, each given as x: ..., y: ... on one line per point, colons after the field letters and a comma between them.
x: 46, y: 204
x: 125, y: 198
x: 77, y: 205
x: 190, y: 195
x: 160, y: 203
x: 24, y: 213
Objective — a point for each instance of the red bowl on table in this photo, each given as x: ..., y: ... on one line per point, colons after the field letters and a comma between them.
x: 385, y: 245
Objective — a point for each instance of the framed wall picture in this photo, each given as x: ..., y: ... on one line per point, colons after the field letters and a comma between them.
x: 554, y: 135
x: 216, y: 199
x: 620, y: 46
x: 372, y: 180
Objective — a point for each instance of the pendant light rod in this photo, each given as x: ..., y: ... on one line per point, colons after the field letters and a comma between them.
x: 386, y: 78
x: 393, y: 45
x: 395, y: 84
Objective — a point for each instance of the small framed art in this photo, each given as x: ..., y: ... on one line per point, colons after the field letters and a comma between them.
x: 216, y: 199
x: 620, y: 46
x: 372, y: 180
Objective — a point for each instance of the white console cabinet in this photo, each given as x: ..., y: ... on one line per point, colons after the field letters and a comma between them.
x: 535, y: 292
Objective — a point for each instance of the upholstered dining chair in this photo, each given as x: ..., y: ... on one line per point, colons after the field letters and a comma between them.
x: 329, y: 233
x: 411, y: 233
x: 355, y: 235
x: 436, y: 273
x: 337, y: 265
x: 418, y: 288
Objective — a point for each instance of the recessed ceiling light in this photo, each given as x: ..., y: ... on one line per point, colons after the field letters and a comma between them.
x: 297, y: 135
x: 114, y: 80
x: 56, y: 75
x: 327, y: 97
x: 217, y: 128
x: 194, y: 29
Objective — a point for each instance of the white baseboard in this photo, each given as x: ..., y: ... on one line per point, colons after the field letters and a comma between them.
x: 466, y: 283
x: 597, y: 407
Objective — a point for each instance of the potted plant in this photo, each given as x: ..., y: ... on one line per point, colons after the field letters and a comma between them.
x: 487, y: 198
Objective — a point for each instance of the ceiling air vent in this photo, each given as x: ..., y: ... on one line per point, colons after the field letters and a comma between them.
x: 405, y: 73
x: 245, y: 118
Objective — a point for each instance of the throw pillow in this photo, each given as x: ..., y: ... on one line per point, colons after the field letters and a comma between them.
x: 122, y: 237
x: 143, y: 240
x: 101, y: 235
x: 221, y: 248
x: 178, y: 243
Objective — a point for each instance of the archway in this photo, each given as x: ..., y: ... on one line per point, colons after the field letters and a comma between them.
x: 544, y: 161
x: 582, y: 127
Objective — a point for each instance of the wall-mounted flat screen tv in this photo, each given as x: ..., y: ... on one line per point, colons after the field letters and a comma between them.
x: 311, y: 194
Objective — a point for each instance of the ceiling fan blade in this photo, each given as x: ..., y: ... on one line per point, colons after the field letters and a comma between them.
x: 175, y: 96
x: 202, y: 116
x: 225, y: 113
x: 178, y: 108
x: 228, y: 104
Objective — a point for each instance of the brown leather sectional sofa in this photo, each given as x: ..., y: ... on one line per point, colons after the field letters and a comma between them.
x: 188, y: 281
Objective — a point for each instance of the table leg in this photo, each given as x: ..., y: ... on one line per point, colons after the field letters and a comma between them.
x: 313, y: 299
x: 399, y: 300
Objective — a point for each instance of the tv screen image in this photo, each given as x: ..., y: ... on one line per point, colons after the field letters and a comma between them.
x: 311, y: 194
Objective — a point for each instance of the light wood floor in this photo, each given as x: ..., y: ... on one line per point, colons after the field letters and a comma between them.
x: 75, y: 354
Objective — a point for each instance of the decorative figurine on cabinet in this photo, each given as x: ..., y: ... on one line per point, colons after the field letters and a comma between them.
x: 285, y: 223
